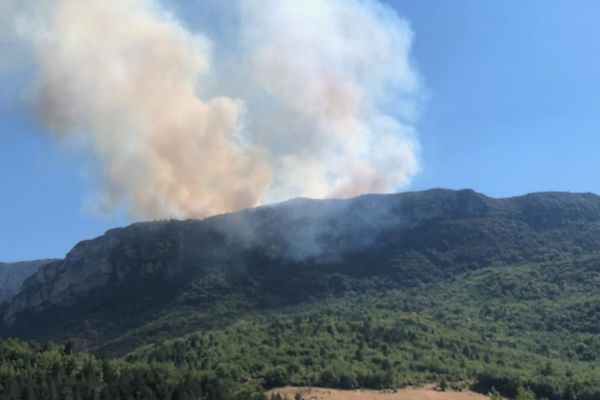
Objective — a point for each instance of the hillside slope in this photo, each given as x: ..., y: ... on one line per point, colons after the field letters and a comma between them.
x: 291, y: 253
x: 377, y: 291
x: 515, y: 329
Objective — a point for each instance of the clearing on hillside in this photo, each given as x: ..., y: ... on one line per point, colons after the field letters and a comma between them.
x: 417, y: 393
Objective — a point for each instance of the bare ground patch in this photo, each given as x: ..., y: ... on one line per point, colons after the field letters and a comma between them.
x: 427, y: 392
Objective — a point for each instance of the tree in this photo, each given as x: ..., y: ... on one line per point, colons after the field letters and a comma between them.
x: 494, y: 395
x: 524, y: 393
x: 443, y: 385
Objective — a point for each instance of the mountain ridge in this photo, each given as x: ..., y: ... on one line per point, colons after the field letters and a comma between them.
x: 378, y: 291
x: 225, y: 224
x: 400, y: 239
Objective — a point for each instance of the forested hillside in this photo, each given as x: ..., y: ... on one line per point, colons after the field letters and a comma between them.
x: 378, y: 292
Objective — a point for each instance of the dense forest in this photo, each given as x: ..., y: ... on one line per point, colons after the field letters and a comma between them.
x: 493, y: 330
x: 31, y: 371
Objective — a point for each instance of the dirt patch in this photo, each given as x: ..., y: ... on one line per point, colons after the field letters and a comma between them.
x: 417, y: 393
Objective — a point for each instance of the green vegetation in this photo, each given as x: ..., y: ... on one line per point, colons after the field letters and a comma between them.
x: 518, y: 330
x: 508, y: 328
x: 31, y: 371
x: 500, y: 295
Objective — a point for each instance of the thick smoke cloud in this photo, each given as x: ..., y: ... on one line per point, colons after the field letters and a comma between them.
x: 313, y: 98
x: 331, y: 67
x: 124, y: 74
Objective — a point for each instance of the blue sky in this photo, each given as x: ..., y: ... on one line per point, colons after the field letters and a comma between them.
x: 513, y: 90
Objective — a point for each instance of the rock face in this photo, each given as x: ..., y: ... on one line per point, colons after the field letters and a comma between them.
x: 417, y: 235
x: 12, y: 276
x: 90, y: 266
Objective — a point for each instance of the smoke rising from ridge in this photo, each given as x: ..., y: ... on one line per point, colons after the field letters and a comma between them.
x: 315, y: 98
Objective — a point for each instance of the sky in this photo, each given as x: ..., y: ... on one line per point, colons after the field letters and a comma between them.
x: 512, y: 91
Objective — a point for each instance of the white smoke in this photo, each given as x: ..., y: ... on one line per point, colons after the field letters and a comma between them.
x: 330, y: 67
x: 315, y: 98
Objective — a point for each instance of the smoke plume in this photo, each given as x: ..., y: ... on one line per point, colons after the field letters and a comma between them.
x: 313, y: 98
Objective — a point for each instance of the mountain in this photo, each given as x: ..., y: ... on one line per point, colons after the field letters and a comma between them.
x: 301, y: 249
x: 12, y: 276
x: 374, y: 291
